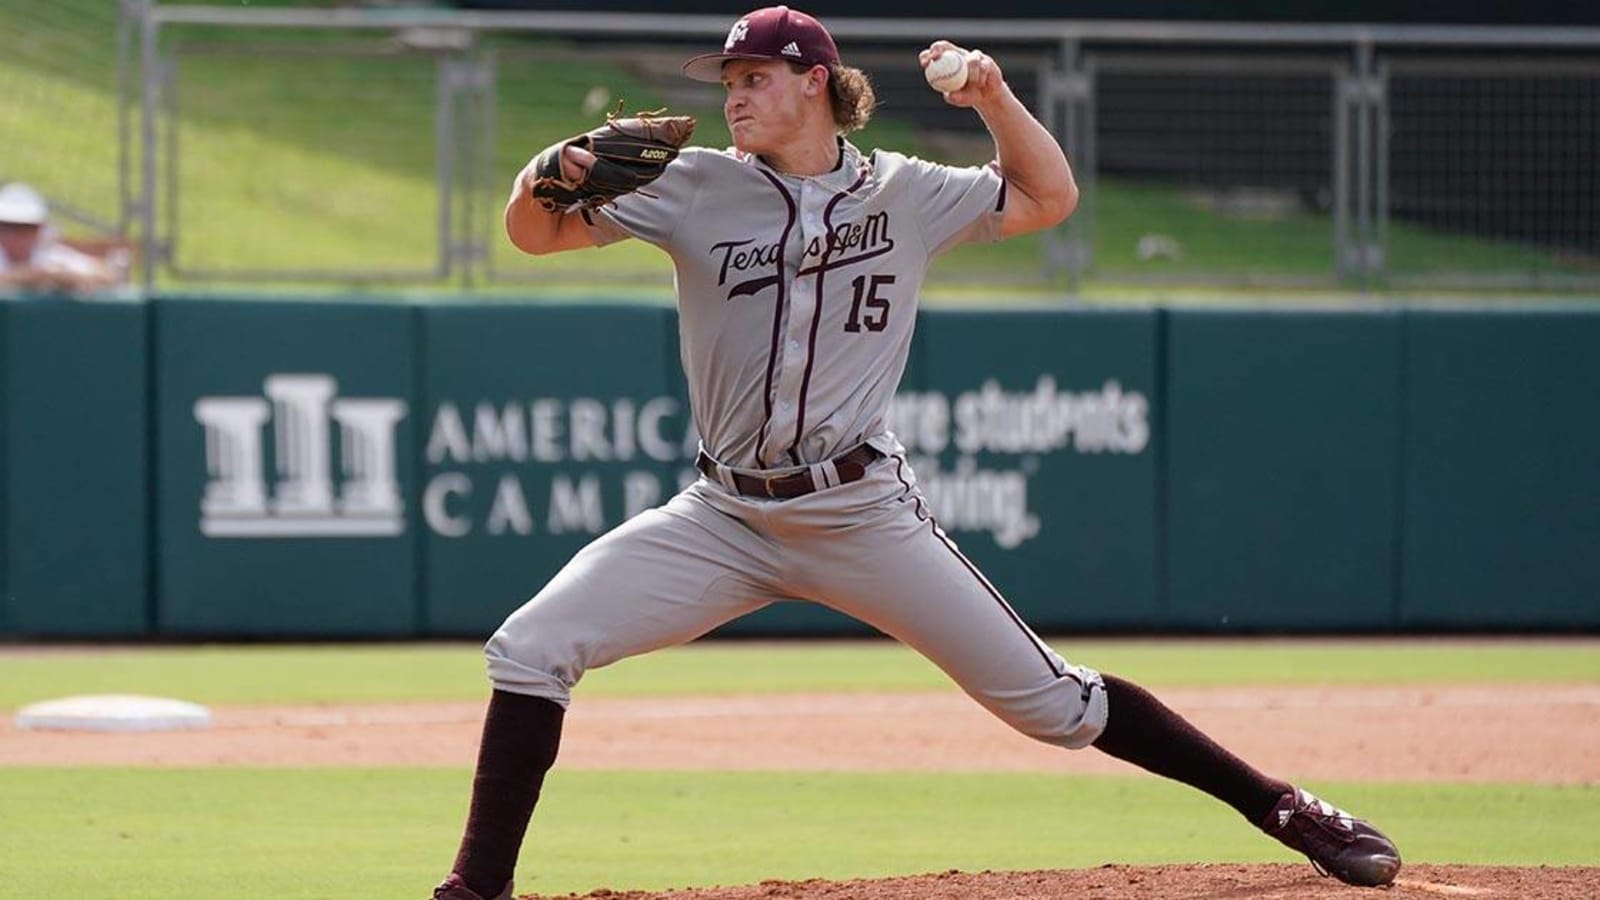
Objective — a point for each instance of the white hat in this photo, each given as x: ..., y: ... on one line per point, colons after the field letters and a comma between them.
x: 22, y: 205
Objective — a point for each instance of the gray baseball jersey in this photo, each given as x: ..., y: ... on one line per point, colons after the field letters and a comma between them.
x: 797, y: 299
x: 797, y: 296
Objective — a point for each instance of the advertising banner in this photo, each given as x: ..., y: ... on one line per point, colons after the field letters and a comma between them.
x: 542, y: 428
x: 284, y: 435
x: 1035, y: 437
x: 1032, y: 435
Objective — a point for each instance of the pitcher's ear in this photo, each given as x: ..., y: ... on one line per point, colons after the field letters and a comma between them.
x: 817, y: 79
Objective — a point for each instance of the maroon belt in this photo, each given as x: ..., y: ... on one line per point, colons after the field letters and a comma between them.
x: 851, y: 465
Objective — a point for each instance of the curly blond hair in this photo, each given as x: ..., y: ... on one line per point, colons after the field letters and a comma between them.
x: 850, y: 93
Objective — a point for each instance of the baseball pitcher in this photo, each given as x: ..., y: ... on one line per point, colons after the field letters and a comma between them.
x: 799, y: 259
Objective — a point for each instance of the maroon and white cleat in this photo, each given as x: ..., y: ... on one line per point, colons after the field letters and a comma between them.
x: 1337, y: 843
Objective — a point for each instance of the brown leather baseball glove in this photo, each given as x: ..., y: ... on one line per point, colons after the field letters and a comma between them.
x: 629, y: 153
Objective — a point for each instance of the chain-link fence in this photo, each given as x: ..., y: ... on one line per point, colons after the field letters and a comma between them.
x: 1198, y: 157
x: 1500, y: 157
x: 305, y: 144
x: 256, y: 131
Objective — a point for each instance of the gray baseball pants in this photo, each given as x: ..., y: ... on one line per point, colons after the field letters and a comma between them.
x: 868, y: 549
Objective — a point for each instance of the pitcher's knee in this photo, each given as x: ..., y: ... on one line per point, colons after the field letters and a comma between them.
x: 518, y: 671
x: 1069, y: 712
x: 534, y: 657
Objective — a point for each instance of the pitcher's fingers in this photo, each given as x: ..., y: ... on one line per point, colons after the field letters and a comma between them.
x: 981, y: 68
x: 934, y: 49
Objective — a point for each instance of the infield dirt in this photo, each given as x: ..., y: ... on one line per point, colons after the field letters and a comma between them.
x: 1540, y: 735
x: 1192, y: 882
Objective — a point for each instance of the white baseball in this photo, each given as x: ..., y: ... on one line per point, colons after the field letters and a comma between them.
x: 947, y: 72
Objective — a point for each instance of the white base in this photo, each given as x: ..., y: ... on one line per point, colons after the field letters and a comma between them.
x: 113, y: 712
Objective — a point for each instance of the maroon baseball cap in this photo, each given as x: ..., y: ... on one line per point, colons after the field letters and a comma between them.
x: 776, y: 32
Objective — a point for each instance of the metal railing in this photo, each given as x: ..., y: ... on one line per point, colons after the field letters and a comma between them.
x: 1324, y: 153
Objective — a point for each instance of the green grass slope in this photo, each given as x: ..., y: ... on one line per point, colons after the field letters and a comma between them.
x: 301, y: 151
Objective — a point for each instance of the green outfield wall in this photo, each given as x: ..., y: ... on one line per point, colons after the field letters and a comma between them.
x: 1501, y: 468
x: 7, y: 598
x: 74, y: 426
x: 186, y: 468
x: 1283, y: 467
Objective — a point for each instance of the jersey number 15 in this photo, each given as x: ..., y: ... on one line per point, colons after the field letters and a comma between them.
x: 877, y: 317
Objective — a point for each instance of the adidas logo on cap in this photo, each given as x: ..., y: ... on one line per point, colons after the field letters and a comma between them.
x: 790, y: 49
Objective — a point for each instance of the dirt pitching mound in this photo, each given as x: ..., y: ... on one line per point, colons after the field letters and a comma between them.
x: 1185, y: 882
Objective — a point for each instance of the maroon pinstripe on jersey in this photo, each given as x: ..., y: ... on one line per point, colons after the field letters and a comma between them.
x: 777, y: 314
x: 816, y: 316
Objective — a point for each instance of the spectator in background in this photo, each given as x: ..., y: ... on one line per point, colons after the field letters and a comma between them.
x: 33, y: 258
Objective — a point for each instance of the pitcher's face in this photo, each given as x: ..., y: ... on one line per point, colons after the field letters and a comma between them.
x: 767, y: 102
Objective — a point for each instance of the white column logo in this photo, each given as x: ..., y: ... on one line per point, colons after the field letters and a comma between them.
x: 302, y: 502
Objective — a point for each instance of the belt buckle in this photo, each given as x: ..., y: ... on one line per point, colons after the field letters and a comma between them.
x: 767, y: 482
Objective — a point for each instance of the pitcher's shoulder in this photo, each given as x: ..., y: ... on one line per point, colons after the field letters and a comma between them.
x: 892, y: 165
x: 712, y: 157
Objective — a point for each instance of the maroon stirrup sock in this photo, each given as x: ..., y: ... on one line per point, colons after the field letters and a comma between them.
x: 520, y: 737
x: 1141, y: 729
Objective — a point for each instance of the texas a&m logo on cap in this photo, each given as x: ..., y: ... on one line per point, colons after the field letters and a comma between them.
x: 776, y: 32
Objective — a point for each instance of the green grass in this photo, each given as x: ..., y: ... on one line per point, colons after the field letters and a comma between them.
x: 396, y: 673
x: 319, y: 833
x: 1293, y: 244
x: 326, y: 161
